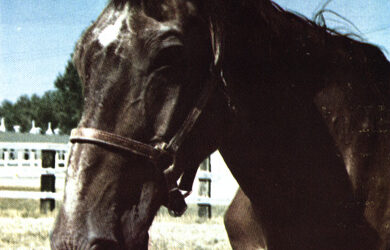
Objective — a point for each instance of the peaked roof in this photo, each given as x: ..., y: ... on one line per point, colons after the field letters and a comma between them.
x: 33, y: 138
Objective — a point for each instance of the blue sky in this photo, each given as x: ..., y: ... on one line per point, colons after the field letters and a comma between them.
x: 38, y: 36
x: 36, y: 40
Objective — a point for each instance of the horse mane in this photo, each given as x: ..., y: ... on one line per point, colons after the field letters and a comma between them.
x: 296, y: 16
x: 368, y: 53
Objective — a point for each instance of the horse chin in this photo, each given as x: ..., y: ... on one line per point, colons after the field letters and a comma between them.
x: 137, y: 220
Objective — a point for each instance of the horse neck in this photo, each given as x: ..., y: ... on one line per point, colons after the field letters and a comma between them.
x: 269, y: 52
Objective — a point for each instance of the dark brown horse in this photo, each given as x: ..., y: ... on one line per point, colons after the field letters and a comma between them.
x: 147, y: 85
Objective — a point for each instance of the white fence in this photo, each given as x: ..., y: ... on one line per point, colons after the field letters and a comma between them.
x: 213, y: 185
x: 29, y: 177
x: 29, y: 195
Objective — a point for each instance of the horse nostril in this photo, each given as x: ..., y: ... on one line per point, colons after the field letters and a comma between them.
x: 99, y: 244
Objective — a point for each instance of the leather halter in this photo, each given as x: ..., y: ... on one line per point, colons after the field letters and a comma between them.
x: 162, y: 154
x: 153, y: 153
x: 93, y: 135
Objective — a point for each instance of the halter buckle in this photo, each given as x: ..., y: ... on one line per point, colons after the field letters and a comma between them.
x: 161, y: 146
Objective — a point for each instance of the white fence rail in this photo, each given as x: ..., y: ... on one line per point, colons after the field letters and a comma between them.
x: 28, y: 172
x: 30, y: 177
x: 29, y: 195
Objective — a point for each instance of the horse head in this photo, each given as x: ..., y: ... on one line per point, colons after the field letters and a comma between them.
x: 148, y: 117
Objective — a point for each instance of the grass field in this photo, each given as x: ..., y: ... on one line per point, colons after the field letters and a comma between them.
x: 23, y: 227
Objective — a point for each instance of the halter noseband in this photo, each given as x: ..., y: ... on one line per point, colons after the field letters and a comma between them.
x: 93, y: 135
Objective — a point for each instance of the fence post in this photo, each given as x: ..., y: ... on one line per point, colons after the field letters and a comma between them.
x: 48, y: 181
x: 204, y: 208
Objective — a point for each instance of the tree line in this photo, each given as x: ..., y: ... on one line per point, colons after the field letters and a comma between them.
x: 62, y: 106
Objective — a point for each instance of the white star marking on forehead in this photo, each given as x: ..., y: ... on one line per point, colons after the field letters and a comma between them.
x: 110, y: 33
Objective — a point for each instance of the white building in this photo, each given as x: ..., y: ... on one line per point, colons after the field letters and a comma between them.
x: 20, y: 158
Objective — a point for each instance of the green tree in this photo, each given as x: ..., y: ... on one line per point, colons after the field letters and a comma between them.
x: 44, y: 110
x: 62, y: 106
x: 24, y: 110
x: 7, y: 111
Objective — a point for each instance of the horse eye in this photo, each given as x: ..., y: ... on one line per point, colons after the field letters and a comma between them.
x: 171, y: 56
